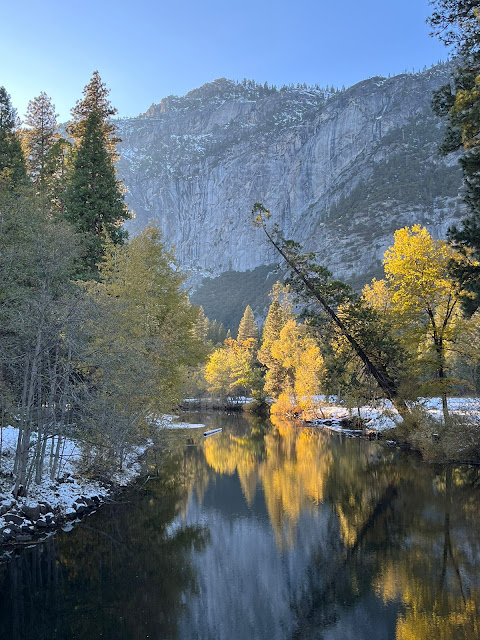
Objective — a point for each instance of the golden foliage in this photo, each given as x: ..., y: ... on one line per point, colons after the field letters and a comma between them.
x: 421, y: 302
x: 230, y: 369
x: 292, y: 472
x: 299, y: 355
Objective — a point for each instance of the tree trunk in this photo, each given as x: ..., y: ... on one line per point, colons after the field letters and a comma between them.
x: 23, y: 444
x: 388, y: 385
x: 441, y: 375
x: 63, y: 412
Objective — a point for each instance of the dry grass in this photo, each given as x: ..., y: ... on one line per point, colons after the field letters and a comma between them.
x: 457, y: 441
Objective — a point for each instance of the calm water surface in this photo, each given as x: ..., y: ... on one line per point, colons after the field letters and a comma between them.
x: 268, y: 532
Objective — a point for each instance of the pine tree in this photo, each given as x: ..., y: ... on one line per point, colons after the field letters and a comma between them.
x: 94, y: 199
x: 12, y: 161
x: 200, y: 330
x: 57, y: 171
x: 457, y: 24
x: 216, y: 333
x: 247, y: 328
x: 95, y: 100
x: 40, y: 137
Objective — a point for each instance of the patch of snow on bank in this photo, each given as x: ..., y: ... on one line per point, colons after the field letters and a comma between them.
x: 167, y: 422
x: 67, y: 497
x: 385, y: 416
x: 230, y: 400
x: 459, y: 406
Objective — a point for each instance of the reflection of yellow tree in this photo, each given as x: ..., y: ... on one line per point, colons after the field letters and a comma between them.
x: 228, y: 453
x: 451, y: 626
x: 294, y: 474
x: 361, y: 487
x: 415, y: 562
x: 429, y: 615
x: 293, y: 471
x: 298, y: 470
x: 282, y: 489
x: 437, y: 604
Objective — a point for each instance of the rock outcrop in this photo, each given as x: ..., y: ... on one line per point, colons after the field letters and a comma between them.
x: 339, y: 171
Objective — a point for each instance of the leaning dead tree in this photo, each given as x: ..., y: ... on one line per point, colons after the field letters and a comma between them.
x: 314, y: 284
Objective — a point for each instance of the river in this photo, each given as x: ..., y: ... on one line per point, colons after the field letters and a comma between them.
x: 265, y: 532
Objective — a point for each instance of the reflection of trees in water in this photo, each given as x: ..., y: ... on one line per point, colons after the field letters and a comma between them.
x: 418, y: 552
x: 437, y: 578
x: 120, y: 574
x: 399, y: 543
x: 299, y: 469
x: 408, y: 531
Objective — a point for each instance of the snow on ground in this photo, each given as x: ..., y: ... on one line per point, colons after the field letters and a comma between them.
x: 385, y: 416
x: 52, y: 503
x: 230, y: 400
x: 171, y: 422
x: 377, y: 418
x: 58, y: 503
x: 459, y: 406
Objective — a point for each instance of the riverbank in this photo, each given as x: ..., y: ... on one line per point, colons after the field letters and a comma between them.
x: 59, y: 503
x: 424, y: 430
x: 54, y: 503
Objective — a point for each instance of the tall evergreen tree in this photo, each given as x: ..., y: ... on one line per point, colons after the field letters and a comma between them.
x: 95, y: 100
x: 12, y: 160
x: 41, y: 135
x: 94, y: 201
x: 94, y: 198
x: 57, y: 170
x: 457, y: 24
x: 200, y: 330
x: 247, y: 328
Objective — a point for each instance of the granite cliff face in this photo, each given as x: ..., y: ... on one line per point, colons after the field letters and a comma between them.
x: 339, y: 171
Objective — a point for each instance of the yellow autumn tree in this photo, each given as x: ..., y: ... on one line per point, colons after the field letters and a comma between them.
x: 299, y: 355
x: 422, y: 302
x: 229, y: 370
x: 142, y: 332
x: 279, y: 312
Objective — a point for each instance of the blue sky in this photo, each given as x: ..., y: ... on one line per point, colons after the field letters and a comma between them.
x: 145, y: 50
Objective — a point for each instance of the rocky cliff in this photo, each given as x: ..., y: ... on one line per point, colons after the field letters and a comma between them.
x: 340, y: 171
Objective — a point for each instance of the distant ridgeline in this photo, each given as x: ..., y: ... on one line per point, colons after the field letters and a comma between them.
x: 339, y: 170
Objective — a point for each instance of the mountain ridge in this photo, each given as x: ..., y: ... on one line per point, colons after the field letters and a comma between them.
x: 340, y: 171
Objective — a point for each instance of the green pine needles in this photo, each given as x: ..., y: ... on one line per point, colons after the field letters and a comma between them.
x: 94, y: 203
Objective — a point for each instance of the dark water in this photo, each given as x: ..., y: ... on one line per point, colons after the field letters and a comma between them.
x: 262, y: 532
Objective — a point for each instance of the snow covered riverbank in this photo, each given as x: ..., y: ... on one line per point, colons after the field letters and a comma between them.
x: 58, y: 503
x: 334, y: 416
x: 52, y: 504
